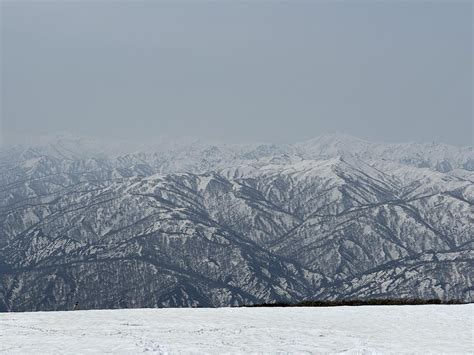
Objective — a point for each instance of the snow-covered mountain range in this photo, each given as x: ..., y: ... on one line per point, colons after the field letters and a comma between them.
x: 190, y: 223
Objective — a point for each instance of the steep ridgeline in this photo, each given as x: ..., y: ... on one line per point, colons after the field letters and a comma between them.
x: 229, y: 225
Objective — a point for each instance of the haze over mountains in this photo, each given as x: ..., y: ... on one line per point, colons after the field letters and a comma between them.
x: 189, y: 223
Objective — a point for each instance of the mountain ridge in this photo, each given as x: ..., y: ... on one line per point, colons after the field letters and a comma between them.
x: 230, y: 225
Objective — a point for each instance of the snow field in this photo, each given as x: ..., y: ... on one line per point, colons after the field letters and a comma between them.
x: 367, y: 329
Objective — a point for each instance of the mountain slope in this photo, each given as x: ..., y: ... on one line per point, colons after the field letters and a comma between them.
x: 241, y: 225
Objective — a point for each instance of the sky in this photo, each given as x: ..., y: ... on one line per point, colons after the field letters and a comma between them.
x: 237, y: 71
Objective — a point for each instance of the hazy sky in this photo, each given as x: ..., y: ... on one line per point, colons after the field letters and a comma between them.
x: 269, y: 71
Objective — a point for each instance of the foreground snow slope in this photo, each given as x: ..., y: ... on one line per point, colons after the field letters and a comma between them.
x: 397, y: 329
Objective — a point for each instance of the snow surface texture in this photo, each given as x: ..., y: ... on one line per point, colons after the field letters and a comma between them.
x: 370, y: 329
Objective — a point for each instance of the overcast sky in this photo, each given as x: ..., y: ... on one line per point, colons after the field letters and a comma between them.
x: 236, y: 71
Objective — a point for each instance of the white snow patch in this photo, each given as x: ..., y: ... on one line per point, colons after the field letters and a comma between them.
x: 375, y: 329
